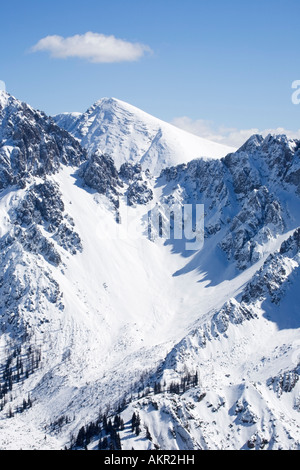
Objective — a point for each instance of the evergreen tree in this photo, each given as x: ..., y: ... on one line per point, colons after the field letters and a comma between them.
x: 80, y: 441
x: 133, y: 422
x: 157, y: 387
x: 196, y: 380
x: 117, y: 422
x: 137, y: 424
x: 118, y: 442
x: 105, y: 427
x: 148, y: 435
x: 122, y: 425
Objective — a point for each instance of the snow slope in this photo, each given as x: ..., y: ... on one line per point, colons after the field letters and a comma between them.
x: 94, y: 316
x: 128, y: 134
x: 124, y: 313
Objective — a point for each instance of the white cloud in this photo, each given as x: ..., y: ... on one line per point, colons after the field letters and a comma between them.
x: 224, y: 135
x: 2, y: 86
x: 93, y: 47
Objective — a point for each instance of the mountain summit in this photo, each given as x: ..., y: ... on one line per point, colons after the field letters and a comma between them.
x: 128, y: 134
x: 31, y: 143
x: 110, y: 338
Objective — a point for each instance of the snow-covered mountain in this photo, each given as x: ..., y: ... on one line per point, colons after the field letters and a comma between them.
x: 128, y: 134
x: 31, y: 143
x: 111, y: 337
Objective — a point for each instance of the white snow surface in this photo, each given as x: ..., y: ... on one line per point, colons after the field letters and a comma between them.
x: 128, y: 134
x: 124, y: 312
x: 3, y: 98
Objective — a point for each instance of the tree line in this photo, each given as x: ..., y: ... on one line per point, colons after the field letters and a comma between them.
x: 18, y: 366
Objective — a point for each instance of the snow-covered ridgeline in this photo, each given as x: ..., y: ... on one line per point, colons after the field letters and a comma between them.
x: 89, y: 320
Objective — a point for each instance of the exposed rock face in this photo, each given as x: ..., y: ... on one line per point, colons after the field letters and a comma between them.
x: 203, y: 347
x: 243, y: 194
x: 291, y: 246
x: 26, y: 290
x: 245, y: 414
x: 259, y: 219
x: 130, y: 171
x: 32, y: 144
x: 271, y: 278
x: 43, y: 205
x: 273, y: 161
x: 33, y: 147
x: 285, y: 382
x: 139, y: 190
x: 100, y: 173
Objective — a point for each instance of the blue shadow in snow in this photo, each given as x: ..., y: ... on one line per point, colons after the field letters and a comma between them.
x: 210, y: 263
x: 286, y: 312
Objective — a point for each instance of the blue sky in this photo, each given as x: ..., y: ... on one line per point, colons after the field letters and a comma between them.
x: 214, y: 66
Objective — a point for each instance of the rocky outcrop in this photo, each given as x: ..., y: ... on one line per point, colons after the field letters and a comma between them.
x: 31, y: 144
x: 243, y: 194
x: 259, y: 219
x: 43, y: 206
x: 271, y: 278
x: 285, y: 382
x: 99, y: 173
x: 139, y: 190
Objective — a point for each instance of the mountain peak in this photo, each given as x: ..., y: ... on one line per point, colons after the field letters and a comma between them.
x: 252, y: 143
x: 107, y: 100
x: 31, y: 144
x: 256, y: 141
x: 117, y: 106
x: 102, y: 307
x: 129, y: 134
x: 5, y: 99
